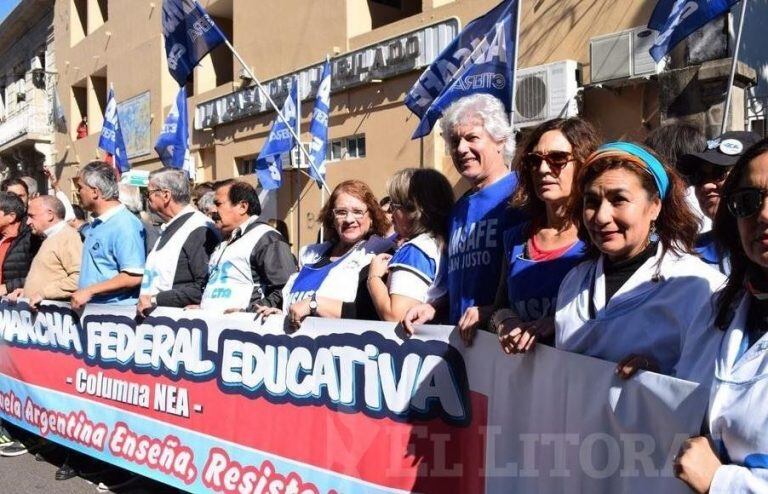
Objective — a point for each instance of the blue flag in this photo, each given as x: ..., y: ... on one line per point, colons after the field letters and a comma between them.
x: 675, y: 20
x: 319, y: 125
x: 480, y: 60
x: 190, y: 34
x: 269, y: 164
x: 171, y: 145
x: 111, y: 139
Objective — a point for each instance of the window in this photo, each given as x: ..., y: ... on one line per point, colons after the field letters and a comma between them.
x: 346, y: 148
x: 246, y: 166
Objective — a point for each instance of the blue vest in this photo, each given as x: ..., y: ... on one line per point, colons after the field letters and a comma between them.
x: 532, y: 286
x: 475, y: 249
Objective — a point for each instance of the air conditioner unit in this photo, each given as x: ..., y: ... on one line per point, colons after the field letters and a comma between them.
x: 622, y: 55
x: 545, y: 92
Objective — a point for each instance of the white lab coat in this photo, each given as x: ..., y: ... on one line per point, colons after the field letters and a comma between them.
x: 659, y: 312
x: 738, y: 410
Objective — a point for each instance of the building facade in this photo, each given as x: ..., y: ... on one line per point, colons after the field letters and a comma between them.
x: 587, y: 58
x: 27, y: 87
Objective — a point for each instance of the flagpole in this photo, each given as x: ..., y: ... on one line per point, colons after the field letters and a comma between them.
x: 514, y: 67
x: 298, y: 164
x: 279, y: 113
x: 734, y: 62
x: 322, y: 190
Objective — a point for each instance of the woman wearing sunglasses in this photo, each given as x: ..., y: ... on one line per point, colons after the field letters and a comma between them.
x: 539, y: 252
x: 332, y: 275
x: 421, y: 205
x: 636, y: 300
x: 735, y: 459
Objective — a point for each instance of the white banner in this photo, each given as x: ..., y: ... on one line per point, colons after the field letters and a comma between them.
x: 350, y: 406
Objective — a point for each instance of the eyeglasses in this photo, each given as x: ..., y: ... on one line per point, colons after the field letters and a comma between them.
x: 343, y: 213
x: 396, y: 205
x: 152, y: 191
x: 555, y: 159
x: 746, y: 202
x: 708, y: 174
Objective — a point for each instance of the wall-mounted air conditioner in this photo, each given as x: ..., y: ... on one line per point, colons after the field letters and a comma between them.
x: 622, y: 55
x: 546, y: 91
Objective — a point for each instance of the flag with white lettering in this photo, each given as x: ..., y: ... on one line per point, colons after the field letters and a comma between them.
x: 319, y: 125
x: 675, y: 20
x: 190, y: 34
x: 111, y: 140
x: 480, y: 60
x: 172, y: 144
x: 269, y: 164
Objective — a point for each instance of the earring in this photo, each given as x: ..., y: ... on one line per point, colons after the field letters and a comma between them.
x: 652, y: 235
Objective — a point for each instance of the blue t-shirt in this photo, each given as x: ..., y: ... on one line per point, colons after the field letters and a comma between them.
x: 113, y: 244
x: 532, y: 286
x: 475, y: 249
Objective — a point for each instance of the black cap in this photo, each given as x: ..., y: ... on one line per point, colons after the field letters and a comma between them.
x: 724, y: 150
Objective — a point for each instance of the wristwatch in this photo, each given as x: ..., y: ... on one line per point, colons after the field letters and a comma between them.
x: 153, y: 300
x: 313, y: 305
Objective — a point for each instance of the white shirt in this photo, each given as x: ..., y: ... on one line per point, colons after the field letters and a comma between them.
x: 54, y: 229
x: 653, y: 314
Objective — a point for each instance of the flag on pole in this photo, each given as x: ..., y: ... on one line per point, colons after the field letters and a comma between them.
x: 58, y: 117
x: 675, y: 20
x: 319, y: 125
x: 480, y: 60
x: 190, y: 34
x: 172, y: 144
x: 111, y: 140
x: 269, y: 164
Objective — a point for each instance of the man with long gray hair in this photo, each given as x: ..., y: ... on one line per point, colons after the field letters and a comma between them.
x: 177, y: 266
x: 113, y: 251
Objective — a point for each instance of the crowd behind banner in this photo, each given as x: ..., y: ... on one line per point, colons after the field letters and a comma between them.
x: 600, y: 249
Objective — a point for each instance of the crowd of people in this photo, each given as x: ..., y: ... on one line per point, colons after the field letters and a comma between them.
x: 651, y: 255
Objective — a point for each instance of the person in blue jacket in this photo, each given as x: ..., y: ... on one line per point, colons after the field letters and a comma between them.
x: 734, y: 459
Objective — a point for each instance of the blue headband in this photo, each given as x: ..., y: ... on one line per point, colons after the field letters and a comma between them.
x: 652, y: 163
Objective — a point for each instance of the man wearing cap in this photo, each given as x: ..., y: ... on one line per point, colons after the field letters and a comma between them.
x: 707, y: 171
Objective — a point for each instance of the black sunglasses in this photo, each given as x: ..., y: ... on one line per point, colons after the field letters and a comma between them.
x: 709, y: 174
x: 746, y: 202
x: 555, y: 159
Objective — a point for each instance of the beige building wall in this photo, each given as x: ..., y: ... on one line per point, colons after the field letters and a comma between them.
x: 277, y: 37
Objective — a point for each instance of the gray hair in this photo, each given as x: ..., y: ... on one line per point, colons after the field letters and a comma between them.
x: 174, y: 181
x: 54, y: 204
x: 101, y: 176
x: 130, y: 197
x: 490, y: 110
x: 32, y: 188
x: 206, y: 201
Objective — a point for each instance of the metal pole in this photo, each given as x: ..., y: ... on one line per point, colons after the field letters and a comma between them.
x: 298, y: 164
x: 279, y: 113
x: 733, y: 66
x: 514, y: 68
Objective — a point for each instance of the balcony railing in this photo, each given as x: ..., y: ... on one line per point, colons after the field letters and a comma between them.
x: 34, y: 120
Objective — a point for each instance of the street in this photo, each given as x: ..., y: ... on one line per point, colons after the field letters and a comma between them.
x: 25, y: 474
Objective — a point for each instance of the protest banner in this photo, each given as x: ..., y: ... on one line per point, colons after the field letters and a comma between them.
x: 229, y: 403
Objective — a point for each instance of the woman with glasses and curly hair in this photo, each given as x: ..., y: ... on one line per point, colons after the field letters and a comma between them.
x: 735, y: 458
x: 421, y: 202
x: 539, y: 252
x: 332, y: 274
